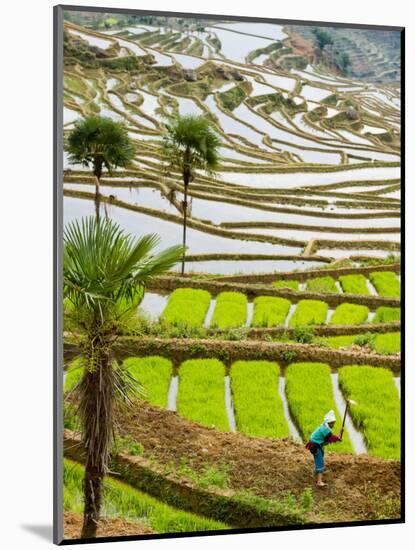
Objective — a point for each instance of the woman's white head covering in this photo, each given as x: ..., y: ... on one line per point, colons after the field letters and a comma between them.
x: 330, y: 417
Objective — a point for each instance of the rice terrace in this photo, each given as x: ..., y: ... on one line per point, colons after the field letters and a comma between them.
x: 264, y: 159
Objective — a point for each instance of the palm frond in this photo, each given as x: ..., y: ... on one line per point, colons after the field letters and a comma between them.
x: 191, y: 140
x: 103, y: 265
x: 99, y: 141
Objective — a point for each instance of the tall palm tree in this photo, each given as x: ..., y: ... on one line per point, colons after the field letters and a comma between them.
x: 190, y: 144
x: 104, y: 276
x: 99, y: 142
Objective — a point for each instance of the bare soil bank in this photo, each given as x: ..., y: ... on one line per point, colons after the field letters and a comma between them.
x: 359, y: 487
x: 114, y: 527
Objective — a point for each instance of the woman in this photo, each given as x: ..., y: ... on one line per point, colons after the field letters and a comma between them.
x: 319, y: 438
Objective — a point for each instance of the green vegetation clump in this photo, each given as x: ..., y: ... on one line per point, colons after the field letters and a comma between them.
x: 201, y: 395
x: 309, y: 312
x: 310, y: 396
x: 385, y: 314
x: 322, y: 37
x: 230, y: 310
x: 388, y: 343
x: 330, y: 100
x: 385, y: 344
x: 70, y: 418
x: 304, y: 335
x: 208, y: 476
x: 232, y: 98
x: 338, y: 342
x: 153, y: 373
x: 354, y: 284
x: 386, y: 283
x: 129, y: 445
x: 75, y: 85
x: 276, y: 101
x: 187, y: 307
x: 73, y: 374
x: 288, y: 505
x: 123, y: 501
x: 270, y: 311
x: 127, y: 63
x: 349, y: 314
x: 367, y: 339
x: 322, y: 284
x: 291, y: 284
x: 377, y: 412
x: 258, y: 406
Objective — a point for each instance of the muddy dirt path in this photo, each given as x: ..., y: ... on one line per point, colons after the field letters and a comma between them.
x: 359, y: 487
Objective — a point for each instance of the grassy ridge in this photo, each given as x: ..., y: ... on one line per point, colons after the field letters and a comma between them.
x: 309, y: 312
x: 377, y: 411
x: 349, y: 314
x: 384, y: 344
x: 123, y: 501
x: 293, y: 285
x: 354, y: 284
x: 385, y: 314
x: 187, y: 307
x: 386, y: 283
x: 230, y: 310
x: 270, y: 311
x: 310, y: 397
x: 258, y: 406
x: 153, y: 373
x: 322, y: 284
x: 201, y: 395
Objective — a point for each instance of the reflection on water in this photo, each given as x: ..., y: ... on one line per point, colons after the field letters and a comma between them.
x: 153, y: 304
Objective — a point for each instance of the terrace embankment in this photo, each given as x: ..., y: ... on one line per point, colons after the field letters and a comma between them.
x: 319, y: 330
x: 179, y: 350
x: 359, y: 487
x: 305, y: 275
x: 169, y: 283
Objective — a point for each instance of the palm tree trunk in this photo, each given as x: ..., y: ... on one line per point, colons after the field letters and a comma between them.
x: 186, y: 184
x: 97, y: 198
x: 96, y: 411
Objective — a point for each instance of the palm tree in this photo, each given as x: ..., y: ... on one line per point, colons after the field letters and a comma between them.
x: 99, y: 142
x: 104, y: 277
x: 190, y: 144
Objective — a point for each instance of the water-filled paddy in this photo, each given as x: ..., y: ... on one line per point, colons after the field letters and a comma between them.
x: 293, y: 142
x: 171, y: 233
x: 298, y: 179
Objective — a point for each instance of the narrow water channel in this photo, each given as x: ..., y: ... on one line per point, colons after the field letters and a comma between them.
x: 249, y: 314
x: 209, y: 314
x: 290, y: 314
x: 397, y: 380
x: 329, y: 315
x: 172, y: 395
x: 371, y: 288
x: 356, y: 437
x: 294, y: 433
x: 229, y: 405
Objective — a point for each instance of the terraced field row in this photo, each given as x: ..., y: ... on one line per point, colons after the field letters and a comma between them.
x: 257, y: 400
x: 196, y: 308
x: 385, y: 283
x: 122, y: 501
x: 313, y: 160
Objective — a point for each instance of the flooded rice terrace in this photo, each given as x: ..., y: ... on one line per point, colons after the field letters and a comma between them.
x: 306, y: 154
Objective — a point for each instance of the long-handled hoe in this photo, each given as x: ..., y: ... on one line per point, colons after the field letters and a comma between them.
x: 348, y: 403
